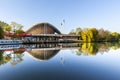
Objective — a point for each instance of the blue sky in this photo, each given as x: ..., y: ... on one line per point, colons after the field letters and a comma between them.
x: 77, y: 13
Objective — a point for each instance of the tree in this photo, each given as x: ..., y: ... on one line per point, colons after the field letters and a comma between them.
x: 72, y: 32
x: 16, y: 26
x: 78, y: 31
x: 89, y: 35
x: 19, y: 31
x: 93, y: 33
x: 115, y: 36
x: 101, y: 34
x: 3, y: 24
x: 1, y: 33
x: 108, y: 35
x: 8, y: 28
x: 84, y: 34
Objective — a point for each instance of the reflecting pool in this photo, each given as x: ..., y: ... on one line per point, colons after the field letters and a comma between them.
x: 87, y: 61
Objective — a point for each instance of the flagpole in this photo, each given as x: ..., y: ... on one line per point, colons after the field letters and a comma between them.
x: 62, y: 60
x: 62, y: 25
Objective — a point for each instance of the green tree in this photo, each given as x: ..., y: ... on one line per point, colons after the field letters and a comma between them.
x: 3, y: 24
x: 1, y: 33
x: 78, y: 31
x: 115, y: 36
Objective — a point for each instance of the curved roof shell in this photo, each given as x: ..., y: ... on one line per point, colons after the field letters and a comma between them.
x: 43, y: 28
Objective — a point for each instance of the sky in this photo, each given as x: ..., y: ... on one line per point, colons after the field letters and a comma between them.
x: 76, y: 13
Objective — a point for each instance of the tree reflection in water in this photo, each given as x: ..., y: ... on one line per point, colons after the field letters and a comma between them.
x: 12, y: 56
x: 2, y: 61
x: 94, y: 48
x: 47, y: 51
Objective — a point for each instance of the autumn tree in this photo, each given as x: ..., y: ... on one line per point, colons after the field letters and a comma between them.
x: 89, y: 35
x: 84, y: 34
x: 93, y: 34
x: 115, y: 36
x: 19, y: 31
x: 8, y: 28
x: 101, y: 34
x: 16, y: 26
x: 2, y: 25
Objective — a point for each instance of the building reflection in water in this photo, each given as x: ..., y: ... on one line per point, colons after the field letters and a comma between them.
x: 14, y: 53
x: 47, y: 51
x: 42, y: 54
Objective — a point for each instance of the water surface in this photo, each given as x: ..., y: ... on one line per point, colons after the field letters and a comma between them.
x: 86, y: 61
